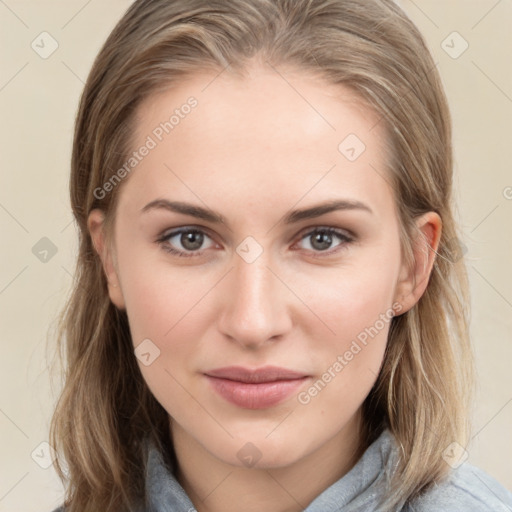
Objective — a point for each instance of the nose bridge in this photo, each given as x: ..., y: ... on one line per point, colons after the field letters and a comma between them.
x: 255, y: 309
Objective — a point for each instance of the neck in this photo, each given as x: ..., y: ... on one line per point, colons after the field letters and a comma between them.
x: 215, y: 486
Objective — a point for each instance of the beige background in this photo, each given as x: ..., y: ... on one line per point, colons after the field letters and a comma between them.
x: 38, y: 100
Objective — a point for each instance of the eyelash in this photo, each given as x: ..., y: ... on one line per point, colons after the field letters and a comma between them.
x: 345, y: 239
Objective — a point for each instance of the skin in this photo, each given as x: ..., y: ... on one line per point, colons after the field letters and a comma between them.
x: 253, y: 149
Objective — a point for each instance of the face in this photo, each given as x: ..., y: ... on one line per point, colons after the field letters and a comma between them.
x: 260, y: 305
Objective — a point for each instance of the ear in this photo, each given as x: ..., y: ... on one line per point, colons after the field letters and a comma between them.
x: 414, y: 279
x: 95, y: 224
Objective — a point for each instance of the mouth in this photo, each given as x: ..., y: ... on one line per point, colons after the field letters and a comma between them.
x: 258, y: 388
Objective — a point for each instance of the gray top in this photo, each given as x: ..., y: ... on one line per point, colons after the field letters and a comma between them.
x: 467, y: 489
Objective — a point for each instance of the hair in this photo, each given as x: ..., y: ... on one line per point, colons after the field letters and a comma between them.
x: 422, y: 392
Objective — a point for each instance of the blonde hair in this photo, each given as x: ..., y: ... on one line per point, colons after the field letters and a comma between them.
x: 422, y: 392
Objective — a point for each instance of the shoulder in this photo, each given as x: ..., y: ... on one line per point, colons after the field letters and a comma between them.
x: 467, y: 489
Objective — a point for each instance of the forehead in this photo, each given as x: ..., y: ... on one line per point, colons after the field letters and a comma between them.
x: 274, y: 136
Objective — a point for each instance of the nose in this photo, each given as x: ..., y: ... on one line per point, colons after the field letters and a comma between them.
x: 255, y: 310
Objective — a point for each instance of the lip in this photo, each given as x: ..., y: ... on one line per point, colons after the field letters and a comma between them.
x: 258, y: 388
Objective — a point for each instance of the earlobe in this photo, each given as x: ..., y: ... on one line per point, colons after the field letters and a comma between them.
x: 414, y: 279
x: 95, y: 225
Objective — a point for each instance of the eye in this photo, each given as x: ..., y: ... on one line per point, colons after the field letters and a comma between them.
x: 190, y: 239
x: 321, y: 239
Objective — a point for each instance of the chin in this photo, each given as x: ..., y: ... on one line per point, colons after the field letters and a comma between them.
x: 258, y: 451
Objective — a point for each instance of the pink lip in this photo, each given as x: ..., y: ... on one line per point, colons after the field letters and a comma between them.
x: 255, y: 389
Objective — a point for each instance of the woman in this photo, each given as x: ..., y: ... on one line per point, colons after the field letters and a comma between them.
x: 270, y: 312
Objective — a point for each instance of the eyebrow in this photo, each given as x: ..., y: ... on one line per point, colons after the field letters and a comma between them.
x: 290, y: 218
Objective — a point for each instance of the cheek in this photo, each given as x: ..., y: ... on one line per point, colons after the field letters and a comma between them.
x: 166, y: 311
x: 354, y: 303
x: 350, y: 298
x: 157, y: 296
x: 348, y: 362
